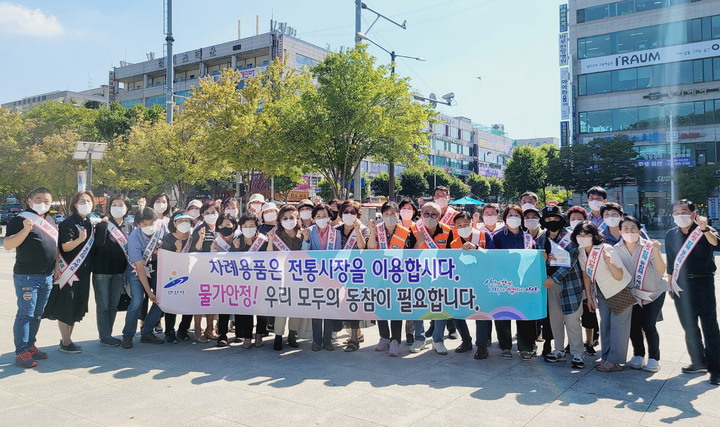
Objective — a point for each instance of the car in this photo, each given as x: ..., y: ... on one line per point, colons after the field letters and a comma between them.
x: 4, y: 218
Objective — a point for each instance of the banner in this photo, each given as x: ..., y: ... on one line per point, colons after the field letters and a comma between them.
x: 349, y: 285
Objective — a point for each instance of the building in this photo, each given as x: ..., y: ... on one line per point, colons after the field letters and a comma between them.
x: 100, y: 94
x: 144, y: 82
x: 631, y: 66
x: 538, y: 142
x: 493, y: 148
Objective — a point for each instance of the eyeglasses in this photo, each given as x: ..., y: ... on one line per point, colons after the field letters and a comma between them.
x: 430, y: 215
x: 350, y: 212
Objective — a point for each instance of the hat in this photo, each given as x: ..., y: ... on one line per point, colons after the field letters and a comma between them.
x: 305, y: 203
x: 269, y: 206
x: 196, y: 203
x: 257, y: 197
x: 183, y: 215
x: 552, y: 211
x: 528, y: 210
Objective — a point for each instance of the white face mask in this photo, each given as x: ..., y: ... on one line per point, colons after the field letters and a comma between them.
x: 682, y: 221
x: 305, y: 215
x: 210, y: 218
x: 249, y: 232
x: 322, y: 222
x: 184, y: 227
x: 526, y: 206
x: 255, y: 208
x: 348, y: 219
x: 270, y: 216
x: 442, y: 201
x: 612, y: 221
x: 584, y: 242
x: 406, y: 214
x: 532, y: 223
x: 160, y: 208
x: 149, y: 230
x: 513, y: 221
x: 490, y: 220
x: 195, y: 213
x: 464, y: 232
x: 430, y: 223
x: 289, y: 224
x: 232, y: 212
x: 40, y: 208
x: 390, y: 221
x: 84, y: 208
x: 574, y: 223
x: 595, y: 205
x: 118, y: 211
x: 631, y: 237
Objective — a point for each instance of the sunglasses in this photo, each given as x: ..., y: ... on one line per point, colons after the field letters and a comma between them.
x: 430, y: 215
x: 350, y: 212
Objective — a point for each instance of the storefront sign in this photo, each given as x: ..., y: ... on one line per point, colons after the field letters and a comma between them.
x: 564, y: 133
x: 565, y: 93
x: 665, y: 163
x: 563, y: 18
x: 564, y: 49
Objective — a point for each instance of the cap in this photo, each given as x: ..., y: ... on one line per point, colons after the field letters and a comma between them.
x: 269, y: 206
x: 528, y: 210
x: 196, y: 203
x: 182, y: 216
x: 257, y: 197
x: 550, y: 211
x: 305, y: 203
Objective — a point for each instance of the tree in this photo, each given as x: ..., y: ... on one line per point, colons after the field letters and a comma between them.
x: 326, y: 191
x: 496, y: 187
x: 284, y: 183
x: 357, y: 111
x: 380, y: 185
x: 413, y: 183
x: 52, y: 118
x: 479, y: 186
x: 697, y: 183
x: 524, y: 172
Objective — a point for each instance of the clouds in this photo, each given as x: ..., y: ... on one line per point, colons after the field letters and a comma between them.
x: 17, y: 20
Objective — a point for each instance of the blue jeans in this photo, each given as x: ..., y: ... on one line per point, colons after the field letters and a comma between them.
x: 108, y: 288
x: 697, y: 302
x: 133, y: 312
x: 32, y: 291
x: 438, y: 330
x: 483, y: 328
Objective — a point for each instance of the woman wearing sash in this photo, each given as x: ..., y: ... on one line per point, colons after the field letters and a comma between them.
x: 469, y: 239
x: 353, y: 235
x: 322, y: 237
x: 389, y: 235
x: 110, y: 265
x: 225, y: 241
x: 645, y: 262
x: 249, y: 240
x: 606, y: 283
x: 512, y: 236
x: 68, y: 301
x: 177, y: 240
x: 287, y: 237
x: 269, y: 217
x: 408, y: 215
x: 202, y: 241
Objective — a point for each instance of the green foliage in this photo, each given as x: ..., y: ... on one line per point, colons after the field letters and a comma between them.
x: 326, y: 190
x: 697, y: 183
x: 413, y: 183
x: 524, y: 172
x: 284, y: 183
x: 52, y: 118
x: 479, y: 186
x: 437, y: 177
x: 496, y: 186
x: 380, y: 185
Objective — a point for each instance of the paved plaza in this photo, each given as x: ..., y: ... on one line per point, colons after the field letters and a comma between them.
x: 200, y: 384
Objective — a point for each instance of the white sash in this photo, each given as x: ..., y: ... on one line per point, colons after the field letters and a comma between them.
x: 351, y: 240
x: 119, y: 237
x: 381, y: 236
x: 640, y: 271
x: 448, y: 217
x: 475, y: 237
x: 257, y: 244
x: 221, y: 243
x: 278, y: 244
x: 67, y: 271
x: 528, y: 240
x: 42, y: 224
x: 332, y: 238
x: 681, y: 257
x: 593, y: 260
x: 429, y: 242
x: 565, y: 241
x: 150, y: 248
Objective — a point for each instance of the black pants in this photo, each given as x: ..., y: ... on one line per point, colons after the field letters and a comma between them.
x: 243, y: 325
x: 395, y: 325
x: 644, y: 319
x: 171, y: 318
x: 697, y: 302
x: 483, y: 330
x: 526, y: 330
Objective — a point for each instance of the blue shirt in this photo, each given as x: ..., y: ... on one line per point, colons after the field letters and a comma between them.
x: 505, y: 239
x: 136, y: 245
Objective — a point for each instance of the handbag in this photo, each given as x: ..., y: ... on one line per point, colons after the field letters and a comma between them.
x: 124, y: 301
x: 621, y: 301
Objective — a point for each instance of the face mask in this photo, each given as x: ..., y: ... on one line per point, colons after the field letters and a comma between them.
x: 553, y: 226
x: 160, y: 208
x: 84, y: 208
x: 333, y: 215
x: 255, y: 208
x: 40, y: 208
x: 390, y: 221
x: 513, y: 221
x: 322, y: 222
x: 442, y: 201
x: 430, y: 223
x: 631, y: 237
x: 118, y: 211
x: 183, y: 227
x: 682, y: 221
x: 249, y: 232
x: 574, y: 223
x: 348, y: 219
x: 595, y: 205
x: 289, y: 224
x: 270, y: 216
x: 305, y: 215
x: 225, y: 231
x: 464, y: 232
x: 612, y: 221
x: 490, y: 220
x: 149, y: 230
x: 584, y: 242
x: 527, y: 206
x: 211, y: 218
x: 406, y: 214
x: 195, y: 213
x: 232, y: 212
x: 532, y: 223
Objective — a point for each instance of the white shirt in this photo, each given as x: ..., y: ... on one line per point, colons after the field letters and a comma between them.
x: 603, y: 276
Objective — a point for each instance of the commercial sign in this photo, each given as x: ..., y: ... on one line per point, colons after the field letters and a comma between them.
x: 564, y: 133
x: 663, y: 55
x: 564, y: 49
x: 713, y: 207
x: 563, y: 18
x: 487, y: 171
x: 652, y: 137
x: 565, y: 93
x: 665, y: 163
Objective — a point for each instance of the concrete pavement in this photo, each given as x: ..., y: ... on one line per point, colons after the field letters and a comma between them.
x: 199, y: 384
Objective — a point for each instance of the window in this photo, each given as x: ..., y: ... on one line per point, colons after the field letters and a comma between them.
x: 624, y: 118
x: 624, y: 80
x: 625, y: 7
x: 715, y: 27
x: 598, y: 83
x: 597, y: 12
x: 643, y: 5
x: 644, y: 77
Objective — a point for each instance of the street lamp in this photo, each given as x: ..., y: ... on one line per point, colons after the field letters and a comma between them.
x: 671, y: 115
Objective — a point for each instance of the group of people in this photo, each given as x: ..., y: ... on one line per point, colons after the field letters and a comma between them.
x: 597, y: 261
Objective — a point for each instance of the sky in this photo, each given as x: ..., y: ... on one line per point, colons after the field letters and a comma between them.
x: 499, y: 57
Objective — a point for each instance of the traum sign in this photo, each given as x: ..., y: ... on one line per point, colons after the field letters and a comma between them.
x: 685, y: 52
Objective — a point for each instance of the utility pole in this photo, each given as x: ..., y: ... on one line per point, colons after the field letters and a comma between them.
x: 169, y: 66
x: 357, y: 191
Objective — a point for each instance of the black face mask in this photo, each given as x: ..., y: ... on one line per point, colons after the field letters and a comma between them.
x: 225, y: 231
x: 333, y: 215
x: 553, y: 226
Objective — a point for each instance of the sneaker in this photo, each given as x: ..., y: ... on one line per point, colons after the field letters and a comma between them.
x: 383, y: 345
x: 394, y: 349
x: 110, y: 342
x: 37, y: 354
x: 150, y: 338
x: 481, y: 353
x: 578, y: 362
x: 555, y: 356
x: 171, y: 337
x: 70, y: 348
x: 126, y: 342
x: 78, y: 346
x: 506, y: 354
x: 637, y: 362
x: 439, y: 348
x: 409, y: 339
x: 590, y: 350
x: 418, y: 345
x: 25, y: 360
x: 183, y: 336
x: 652, y: 365
x: 526, y: 355
x: 692, y: 369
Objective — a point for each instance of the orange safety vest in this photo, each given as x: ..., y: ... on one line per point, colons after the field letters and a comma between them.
x: 441, y: 239
x: 397, y: 241
x: 476, y: 238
